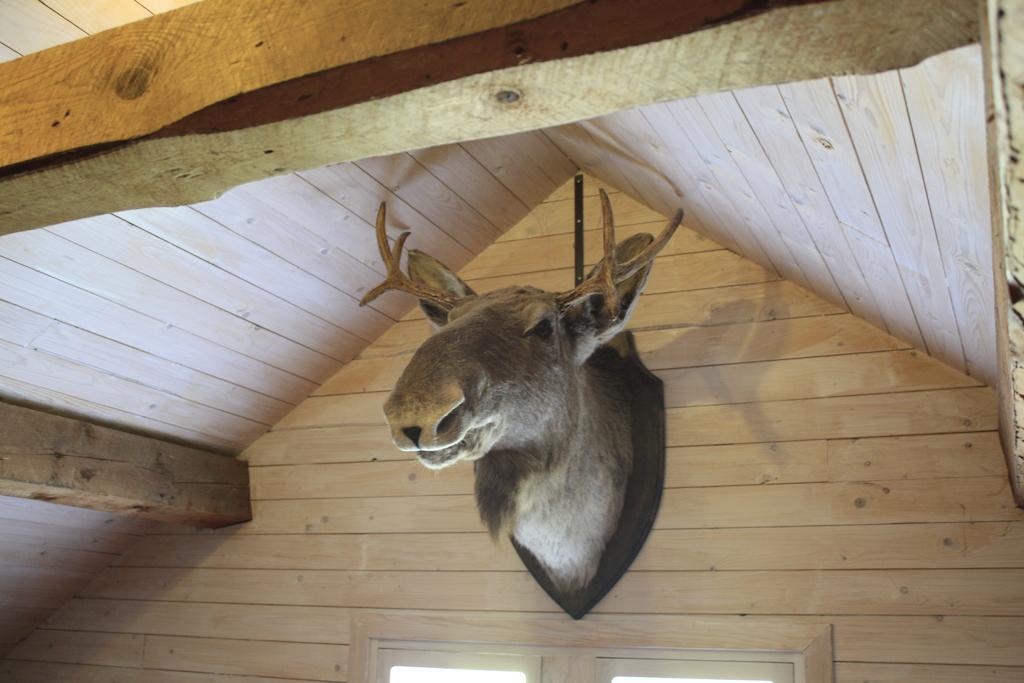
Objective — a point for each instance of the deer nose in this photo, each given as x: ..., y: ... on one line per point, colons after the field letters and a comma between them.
x: 428, y: 425
x: 414, y: 434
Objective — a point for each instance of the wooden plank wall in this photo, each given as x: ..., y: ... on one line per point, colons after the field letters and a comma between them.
x: 819, y: 471
x: 869, y: 190
x: 47, y: 553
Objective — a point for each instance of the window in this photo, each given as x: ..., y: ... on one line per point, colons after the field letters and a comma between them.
x: 422, y: 674
x: 454, y: 663
x: 401, y: 665
x: 694, y: 668
x: 429, y: 647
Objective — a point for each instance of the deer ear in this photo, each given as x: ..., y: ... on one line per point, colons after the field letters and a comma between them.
x: 427, y: 270
x: 588, y: 319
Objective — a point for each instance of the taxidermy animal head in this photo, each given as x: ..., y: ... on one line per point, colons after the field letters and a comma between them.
x: 504, y: 382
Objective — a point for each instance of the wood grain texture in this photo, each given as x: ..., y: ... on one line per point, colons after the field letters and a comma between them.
x: 908, y: 546
x: 465, y: 57
x: 70, y: 462
x: 788, y: 502
x: 876, y: 114
x: 817, y: 117
x: 1003, y: 77
x: 207, y: 323
x: 822, y: 472
x: 49, y: 552
x: 734, y: 130
x: 916, y: 673
x: 945, y: 100
x: 867, y: 190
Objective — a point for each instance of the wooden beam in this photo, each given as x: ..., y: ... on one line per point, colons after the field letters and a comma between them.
x: 177, y: 108
x: 1003, y: 38
x: 72, y: 462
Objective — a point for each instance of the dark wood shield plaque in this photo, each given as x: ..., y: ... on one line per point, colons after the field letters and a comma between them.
x: 643, y: 491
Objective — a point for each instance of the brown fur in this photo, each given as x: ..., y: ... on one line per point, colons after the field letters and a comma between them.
x: 505, y: 383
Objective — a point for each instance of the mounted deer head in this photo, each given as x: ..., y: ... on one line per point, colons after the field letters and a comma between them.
x: 504, y: 382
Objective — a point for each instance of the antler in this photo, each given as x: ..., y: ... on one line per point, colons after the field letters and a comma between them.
x: 396, y: 279
x: 609, y: 272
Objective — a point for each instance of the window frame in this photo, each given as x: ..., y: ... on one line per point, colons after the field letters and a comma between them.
x: 572, y: 649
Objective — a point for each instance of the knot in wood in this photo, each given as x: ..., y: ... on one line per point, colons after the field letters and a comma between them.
x: 508, y: 96
x: 133, y: 81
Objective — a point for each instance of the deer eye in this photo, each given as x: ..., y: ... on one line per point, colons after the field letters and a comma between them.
x: 542, y: 329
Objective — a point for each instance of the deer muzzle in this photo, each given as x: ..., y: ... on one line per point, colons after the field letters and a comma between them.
x: 427, y: 423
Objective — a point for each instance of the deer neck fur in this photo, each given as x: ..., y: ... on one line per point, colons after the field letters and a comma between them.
x: 558, y: 491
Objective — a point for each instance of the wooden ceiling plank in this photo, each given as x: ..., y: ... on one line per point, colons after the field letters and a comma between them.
x: 7, y: 54
x: 293, y: 197
x: 577, y: 143
x: 733, y: 185
x: 108, y: 356
x: 49, y: 253
x: 528, y: 164
x: 474, y: 183
x: 58, y: 300
x: 675, y: 128
x: 360, y: 193
x: 876, y: 115
x: 510, y: 85
x: 72, y: 404
x: 72, y: 462
x: 409, y: 180
x: 98, y: 15
x: 122, y: 242
x: 26, y: 329
x: 245, y: 215
x: 31, y: 26
x: 771, y: 123
x: 193, y: 231
x: 739, y: 139
x: 160, y: 6
x: 40, y: 369
x: 688, y: 173
x: 815, y: 113
x: 681, y: 177
x: 946, y: 104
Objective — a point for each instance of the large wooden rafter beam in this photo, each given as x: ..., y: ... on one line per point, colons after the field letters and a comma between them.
x: 1003, y: 38
x: 182, y: 106
x: 72, y: 462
